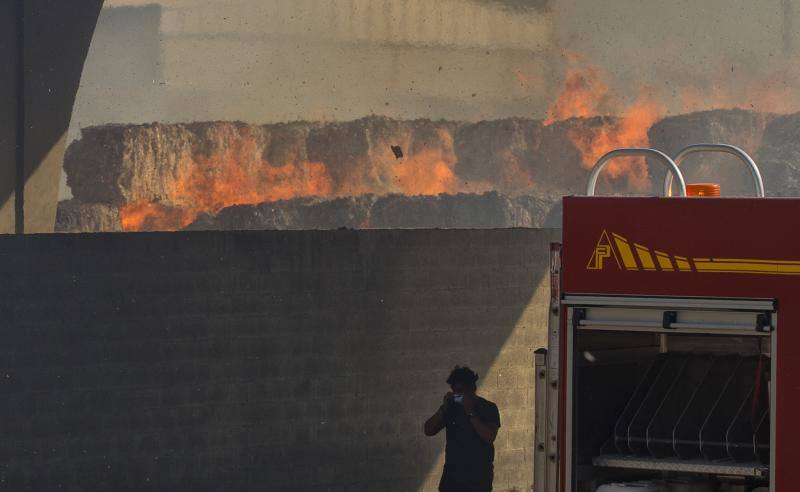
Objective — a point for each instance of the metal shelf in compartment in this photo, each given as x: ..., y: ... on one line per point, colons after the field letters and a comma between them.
x: 657, y: 392
x: 661, y: 435
x: 697, y: 407
x: 729, y: 468
x: 620, y: 436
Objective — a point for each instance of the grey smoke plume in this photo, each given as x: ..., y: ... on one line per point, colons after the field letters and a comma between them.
x: 520, y: 4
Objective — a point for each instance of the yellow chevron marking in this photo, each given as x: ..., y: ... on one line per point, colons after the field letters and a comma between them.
x: 729, y: 265
x: 664, y: 261
x: 683, y: 263
x: 625, y: 251
x: 644, y: 257
x: 620, y: 248
x: 748, y: 260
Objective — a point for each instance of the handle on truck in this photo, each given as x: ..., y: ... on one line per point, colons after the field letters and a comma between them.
x: 758, y: 183
x: 632, y: 152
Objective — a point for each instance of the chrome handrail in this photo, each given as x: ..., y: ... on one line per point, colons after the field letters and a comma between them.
x: 758, y: 183
x: 636, y: 152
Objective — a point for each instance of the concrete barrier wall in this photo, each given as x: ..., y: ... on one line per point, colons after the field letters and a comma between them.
x: 261, y: 360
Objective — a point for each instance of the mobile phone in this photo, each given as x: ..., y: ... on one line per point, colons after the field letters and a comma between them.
x: 458, y: 398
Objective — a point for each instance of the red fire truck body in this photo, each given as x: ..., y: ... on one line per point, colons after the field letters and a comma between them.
x: 719, y: 271
x: 666, y: 368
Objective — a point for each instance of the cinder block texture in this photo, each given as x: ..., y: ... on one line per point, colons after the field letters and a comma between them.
x: 267, y: 360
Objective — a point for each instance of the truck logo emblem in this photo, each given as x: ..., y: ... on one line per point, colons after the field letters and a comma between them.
x: 615, y: 250
x: 602, y: 252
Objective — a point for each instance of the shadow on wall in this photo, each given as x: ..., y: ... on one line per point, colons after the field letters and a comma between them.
x: 281, y: 360
x: 56, y: 39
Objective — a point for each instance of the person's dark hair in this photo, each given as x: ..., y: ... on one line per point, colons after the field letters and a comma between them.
x: 463, y: 375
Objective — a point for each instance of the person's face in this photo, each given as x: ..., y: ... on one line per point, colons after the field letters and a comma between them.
x: 461, y: 389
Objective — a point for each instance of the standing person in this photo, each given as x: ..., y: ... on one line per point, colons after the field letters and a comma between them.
x: 472, y: 423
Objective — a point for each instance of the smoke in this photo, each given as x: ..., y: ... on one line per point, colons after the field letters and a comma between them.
x: 520, y: 5
x: 265, y: 61
x: 695, y: 55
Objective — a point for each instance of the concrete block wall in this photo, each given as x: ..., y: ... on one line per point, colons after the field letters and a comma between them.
x: 269, y: 360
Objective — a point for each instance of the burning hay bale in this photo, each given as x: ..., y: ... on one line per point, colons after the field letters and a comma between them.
x: 166, y: 177
x: 122, y: 164
x: 297, y: 214
x: 305, y: 175
x: 779, y: 156
x: 498, y: 153
x: 516, y: 156
x: 358, y: 156
x: 462, y: 210
x: 163, y: 176
x: 566, y: 154
x: 76, y: 216
x: 742, y: 128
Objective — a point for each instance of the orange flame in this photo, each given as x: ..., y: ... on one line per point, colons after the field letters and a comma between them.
x: 629, y: 130
x: 425, y: 173
x: 585, y: 94
x: 146, y: 216
x: 428, y: 171
x: 235, y: 175
x: 513, y: 176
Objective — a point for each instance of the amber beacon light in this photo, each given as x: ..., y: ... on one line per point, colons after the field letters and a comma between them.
x: 702, y: 189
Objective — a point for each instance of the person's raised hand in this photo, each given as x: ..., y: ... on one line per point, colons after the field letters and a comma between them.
x: 448, y: 400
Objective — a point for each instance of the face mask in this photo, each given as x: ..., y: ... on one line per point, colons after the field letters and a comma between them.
x: 458, y: 398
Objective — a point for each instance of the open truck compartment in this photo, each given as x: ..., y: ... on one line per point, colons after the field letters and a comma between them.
x: 669, y: 394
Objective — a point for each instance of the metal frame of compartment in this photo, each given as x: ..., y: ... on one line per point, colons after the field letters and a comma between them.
x: 691, y: 412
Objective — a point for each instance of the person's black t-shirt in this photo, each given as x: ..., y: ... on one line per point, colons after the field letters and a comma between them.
x: 468, y: 464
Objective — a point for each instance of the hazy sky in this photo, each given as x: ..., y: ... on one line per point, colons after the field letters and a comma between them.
x: 514, y: 4
x: 273, y: 60
x: 277, y: 60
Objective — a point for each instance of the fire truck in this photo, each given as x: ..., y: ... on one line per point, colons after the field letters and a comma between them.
x: 672, y: 363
